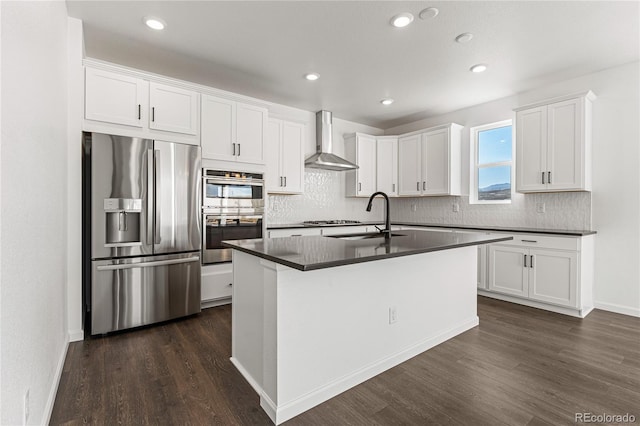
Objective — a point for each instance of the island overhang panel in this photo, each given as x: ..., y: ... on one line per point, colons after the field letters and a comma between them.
x: 301, y: 337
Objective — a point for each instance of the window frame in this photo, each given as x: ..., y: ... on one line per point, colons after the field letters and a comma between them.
x: 475, y: 167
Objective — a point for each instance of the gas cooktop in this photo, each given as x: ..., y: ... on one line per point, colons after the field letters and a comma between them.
x: 329, y: 222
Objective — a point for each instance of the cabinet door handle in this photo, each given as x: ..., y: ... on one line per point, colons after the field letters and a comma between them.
x: 359, y: 186
x: 393, y: 187
x: 531, y: 263
x: 238, y: 150
x: 234, y: 148
x: 285, y: 181
x: 139, y: 111
x: 548, y: 177
x: 424, y: 185
x: 418, y: 186
x: 153, y: 114
x: 280, y: 180
x: 525, y: 260
x: 543, y: 178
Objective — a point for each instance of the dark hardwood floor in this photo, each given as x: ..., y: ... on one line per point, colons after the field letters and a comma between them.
x: 521, y: 366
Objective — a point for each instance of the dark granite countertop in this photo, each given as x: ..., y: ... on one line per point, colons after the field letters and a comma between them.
x: 569, y: 232
x: 316, y: 252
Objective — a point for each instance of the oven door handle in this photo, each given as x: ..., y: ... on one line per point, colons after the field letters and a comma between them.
x: 236, y: 217
x: 253, y: 182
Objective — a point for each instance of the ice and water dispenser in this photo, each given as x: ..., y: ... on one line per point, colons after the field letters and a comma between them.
x: 123, y: 217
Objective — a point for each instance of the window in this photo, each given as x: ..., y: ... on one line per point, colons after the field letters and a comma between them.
x: 492, y: 160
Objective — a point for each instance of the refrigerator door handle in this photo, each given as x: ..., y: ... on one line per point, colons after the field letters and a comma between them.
x: 158, y: 191
x: 150, y: 195
x: 145, y: 264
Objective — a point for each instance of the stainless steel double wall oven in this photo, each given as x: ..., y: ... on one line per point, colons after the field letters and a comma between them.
x: 232, y: 209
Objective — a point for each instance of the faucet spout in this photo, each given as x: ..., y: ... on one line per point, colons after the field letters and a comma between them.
x: 387, y: 218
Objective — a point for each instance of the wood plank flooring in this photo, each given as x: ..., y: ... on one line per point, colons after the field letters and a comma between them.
x: 521, y: 366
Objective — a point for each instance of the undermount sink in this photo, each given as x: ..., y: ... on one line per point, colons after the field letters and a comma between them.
x: 363, y: 236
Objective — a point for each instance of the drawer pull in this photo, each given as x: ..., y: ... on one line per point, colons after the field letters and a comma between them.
x: 296, y: 235
x: 529, y: 241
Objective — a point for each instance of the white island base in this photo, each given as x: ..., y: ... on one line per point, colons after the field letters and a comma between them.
x: 301, y: 338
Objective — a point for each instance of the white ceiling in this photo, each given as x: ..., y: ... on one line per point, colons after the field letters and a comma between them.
x: 262, y: 49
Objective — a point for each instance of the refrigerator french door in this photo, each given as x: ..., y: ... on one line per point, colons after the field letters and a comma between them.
x: 141, y: 231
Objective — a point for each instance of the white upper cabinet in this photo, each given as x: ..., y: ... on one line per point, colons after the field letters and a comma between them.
x: 429, y: 162
x: 409, y: 165
x: 284, y: 157
x: 387, y: 165
x: 361, y: 150
x: 130, y: 105
x: 232, y: 131
x: 173, y: 109
x: 251, y: 124
x: 114, y: 98
x: 553, y: 145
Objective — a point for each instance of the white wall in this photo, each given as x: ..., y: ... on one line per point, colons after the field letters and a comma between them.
x: 615, y: 199
x: 34, y: 192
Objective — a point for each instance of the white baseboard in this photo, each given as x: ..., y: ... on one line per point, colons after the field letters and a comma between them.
x: 205, y: 304
x: 297, y: 406
x: 578, y: 313
x: 51, y: 399
x: 618, y: 309
x: 76, y: 336
x: 248, y: 377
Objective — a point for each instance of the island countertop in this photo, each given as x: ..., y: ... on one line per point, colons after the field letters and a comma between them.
x: 317, y: 252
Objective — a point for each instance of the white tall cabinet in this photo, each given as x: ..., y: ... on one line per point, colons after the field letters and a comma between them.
x: 361, y: 149
x: 284, y: 157
x: 429, y: 162
x: 232, y: 131
x: 553, y: 145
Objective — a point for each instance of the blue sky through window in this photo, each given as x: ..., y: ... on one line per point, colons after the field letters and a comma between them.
x: 494, y: 145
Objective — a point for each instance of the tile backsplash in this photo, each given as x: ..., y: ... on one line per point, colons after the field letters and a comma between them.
x: 562, y: 210
x: 324, y: 198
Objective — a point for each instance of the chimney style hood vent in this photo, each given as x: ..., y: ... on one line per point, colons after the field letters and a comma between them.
x: 324, y: 158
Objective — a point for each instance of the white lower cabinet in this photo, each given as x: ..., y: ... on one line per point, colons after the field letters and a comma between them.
x: 217, y: 282
x: 546, y: 272
x: 507, y: 273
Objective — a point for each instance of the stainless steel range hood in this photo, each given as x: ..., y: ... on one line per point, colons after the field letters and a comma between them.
x: 324, y: 158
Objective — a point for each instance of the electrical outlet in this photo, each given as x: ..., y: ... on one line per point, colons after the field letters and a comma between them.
x: 393, y: 315
x: 26, y: 407
x: 455, y: 207
x: 540, y: 207
x: 414, y: 207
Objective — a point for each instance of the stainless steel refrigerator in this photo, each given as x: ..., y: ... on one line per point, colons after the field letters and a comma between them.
x: 141, y: 231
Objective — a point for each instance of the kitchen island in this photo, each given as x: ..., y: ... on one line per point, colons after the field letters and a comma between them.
x: 314, y: 316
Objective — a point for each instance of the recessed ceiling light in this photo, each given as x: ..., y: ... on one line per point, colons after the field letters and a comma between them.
x: 428, y: 13
x: 402, y: 20
x: 155, y: 23
x: 387, y: 101
x: 478, y: 68
x: 312, y: 76
x: 464, y: 38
